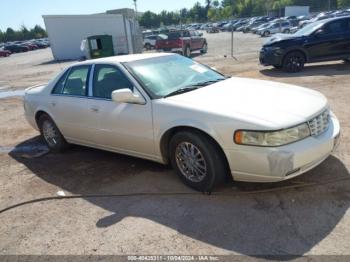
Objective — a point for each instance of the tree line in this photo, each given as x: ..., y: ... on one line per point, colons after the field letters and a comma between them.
x: 224, y: 9
x: 22, y: 34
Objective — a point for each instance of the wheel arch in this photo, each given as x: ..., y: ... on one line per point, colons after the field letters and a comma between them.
x: 39, y: 113
x: 296, y: 50
x: 167, y: 135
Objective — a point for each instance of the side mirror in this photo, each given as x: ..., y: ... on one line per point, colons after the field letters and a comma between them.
x: 319, y: 32
x: 125, y: 95
x: 200, y: 34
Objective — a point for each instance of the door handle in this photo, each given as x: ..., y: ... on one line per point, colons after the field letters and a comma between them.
x: 95, y: 109
x: 53, y: 103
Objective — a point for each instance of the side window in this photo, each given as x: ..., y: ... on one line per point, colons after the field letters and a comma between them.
x: 186, y: 34
x: 77, y: 80
x: 347, y: 25
x: 58, y: 89
x: 335, y: 27
x: 108, y: 78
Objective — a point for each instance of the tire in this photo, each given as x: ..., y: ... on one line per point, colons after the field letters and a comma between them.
x: 204, y: 49
x: 148, y: 46
x: 187, y: 51
x: 51, y: 134
x: 210, y: 170
x: 293, y: 62
x: 266, y: 33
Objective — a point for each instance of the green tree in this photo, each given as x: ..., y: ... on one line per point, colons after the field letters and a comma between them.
x: 343, y: 3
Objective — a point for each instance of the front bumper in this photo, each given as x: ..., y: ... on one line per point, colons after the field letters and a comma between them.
x: 270, y: 57
x: 273, y: 164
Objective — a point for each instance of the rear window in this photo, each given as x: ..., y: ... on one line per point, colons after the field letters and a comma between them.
x: 174, y: 35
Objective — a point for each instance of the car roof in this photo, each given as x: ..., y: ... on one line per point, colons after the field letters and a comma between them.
x: 122, y: 58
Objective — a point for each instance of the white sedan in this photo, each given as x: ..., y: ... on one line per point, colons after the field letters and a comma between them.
x: 171, y: 109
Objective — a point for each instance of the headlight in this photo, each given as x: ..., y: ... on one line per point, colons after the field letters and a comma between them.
x: 272, y: 138
x: 272, y: 48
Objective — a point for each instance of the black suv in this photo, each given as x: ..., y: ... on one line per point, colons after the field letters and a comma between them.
x: 324, y: 40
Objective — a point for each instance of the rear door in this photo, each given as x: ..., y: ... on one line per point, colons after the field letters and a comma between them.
x: 328, y: 42
x: 347, y: 38
x: 70, y: 107
x: 195, y: 40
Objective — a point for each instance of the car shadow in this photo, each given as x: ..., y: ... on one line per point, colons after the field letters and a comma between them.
x: 247, y: 219
x: 336, y: 69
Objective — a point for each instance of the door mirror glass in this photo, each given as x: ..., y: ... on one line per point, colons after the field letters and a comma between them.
x: 125, y: 95
x: 319, y: 32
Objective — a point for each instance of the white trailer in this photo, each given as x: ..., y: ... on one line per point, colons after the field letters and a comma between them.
x: 66, y: 33
x: 297, y: 11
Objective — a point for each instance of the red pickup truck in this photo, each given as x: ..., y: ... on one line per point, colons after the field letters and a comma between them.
x: 184, y: 42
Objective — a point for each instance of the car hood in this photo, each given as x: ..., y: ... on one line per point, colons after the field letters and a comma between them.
x: 268, y: 104
x: 279, y: 37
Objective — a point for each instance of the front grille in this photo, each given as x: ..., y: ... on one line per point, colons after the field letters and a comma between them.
x: 319, y: 124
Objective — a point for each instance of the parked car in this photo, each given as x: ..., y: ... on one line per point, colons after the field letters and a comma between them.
x: 183, y: 42
x: 213, y: 29
x: 16, y: 48
x: 149, y: 42
x: 277, y: 27
x: 325, y: 40
x: 207, y: 126
x: 4, y: 53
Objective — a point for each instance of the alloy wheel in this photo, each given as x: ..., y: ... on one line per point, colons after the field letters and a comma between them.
x: 191, y: 162
x: 50, y: 133
x: 295, y: 63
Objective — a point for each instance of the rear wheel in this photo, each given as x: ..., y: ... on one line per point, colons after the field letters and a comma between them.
x: 294, y: 62
x: 51, y: 134
x: 197, y: 160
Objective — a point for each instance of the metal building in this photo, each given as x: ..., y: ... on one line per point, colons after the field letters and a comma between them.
x: 67, y: 32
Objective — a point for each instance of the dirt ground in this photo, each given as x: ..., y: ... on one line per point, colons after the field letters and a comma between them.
x: 313, y: 219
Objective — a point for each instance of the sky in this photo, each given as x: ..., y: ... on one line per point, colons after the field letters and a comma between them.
x: 15, y: 13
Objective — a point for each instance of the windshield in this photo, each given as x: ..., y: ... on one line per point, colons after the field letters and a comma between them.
x: 164, y: 75
x: 308, y: 29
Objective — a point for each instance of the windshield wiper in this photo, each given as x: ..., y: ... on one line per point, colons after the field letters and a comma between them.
x: 192, y: 87
x: 182, y: 90
x: 205, y: 83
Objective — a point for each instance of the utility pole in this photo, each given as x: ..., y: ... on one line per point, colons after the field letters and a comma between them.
x: 135, y: 4
x: 135, y: 21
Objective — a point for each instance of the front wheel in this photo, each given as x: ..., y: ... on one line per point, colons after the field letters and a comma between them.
x: 197, y: 161
x: 204, y: 48
x: 51, y: 134
x: 187, y: 51
x: 148, y: 46
x: 266, y: 33
x: 294, y: 62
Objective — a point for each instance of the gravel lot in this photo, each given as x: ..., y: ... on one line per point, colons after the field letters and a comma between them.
x: 311, y: 219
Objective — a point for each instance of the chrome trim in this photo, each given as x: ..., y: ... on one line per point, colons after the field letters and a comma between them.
x: 319, y: 124
x: 91, y: 79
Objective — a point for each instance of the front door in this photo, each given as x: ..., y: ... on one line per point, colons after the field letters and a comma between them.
x: 125, y: 127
